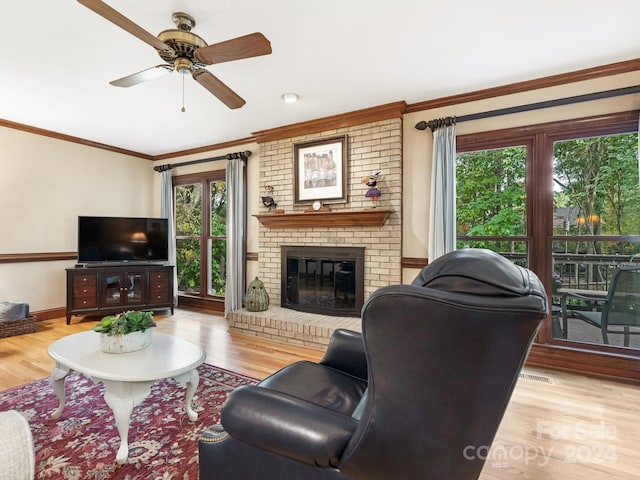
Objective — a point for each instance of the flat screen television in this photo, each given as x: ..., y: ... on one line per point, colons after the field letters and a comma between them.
x: 122, y: 240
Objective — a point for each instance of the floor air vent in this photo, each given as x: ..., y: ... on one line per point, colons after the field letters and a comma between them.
x: 536, y: 378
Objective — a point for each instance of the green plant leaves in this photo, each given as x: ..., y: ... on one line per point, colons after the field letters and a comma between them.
x: 127, y: 322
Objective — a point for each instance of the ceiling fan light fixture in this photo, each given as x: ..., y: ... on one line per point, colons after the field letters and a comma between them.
x: 290, y: 97
x: 183, y: 65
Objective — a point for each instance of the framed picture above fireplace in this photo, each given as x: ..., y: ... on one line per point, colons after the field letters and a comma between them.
x: 320, y: 171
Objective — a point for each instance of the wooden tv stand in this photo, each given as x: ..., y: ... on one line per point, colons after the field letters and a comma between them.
x: 114, y: 289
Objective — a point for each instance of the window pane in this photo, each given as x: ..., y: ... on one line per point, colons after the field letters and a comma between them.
x: 188, y: 264
x: 515, y: 251
x: 217, y: 266
x: 596, y: 188
x: 218, y: 226
x: 201, y: 235
x: 217, y: 246
x: 188, y: 210
x: 490, y: 192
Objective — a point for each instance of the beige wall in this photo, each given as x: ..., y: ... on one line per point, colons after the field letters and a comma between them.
x: 46, y: 183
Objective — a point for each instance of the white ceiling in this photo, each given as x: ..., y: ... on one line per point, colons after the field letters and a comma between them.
x: 337, y: 55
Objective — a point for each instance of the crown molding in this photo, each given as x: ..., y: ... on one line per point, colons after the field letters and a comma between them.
x: 519, y: 87
x: 206, y: 148
x: 333, y: 122
x: 111, y: 148
x: 70, y: 138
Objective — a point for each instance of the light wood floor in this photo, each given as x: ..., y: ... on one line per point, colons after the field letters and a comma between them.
x: 24, y: 358
x: 558, y: 425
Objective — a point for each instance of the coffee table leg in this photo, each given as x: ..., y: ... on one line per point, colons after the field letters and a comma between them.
x: 56, y: 380
x: 122, y: 397
x: 191, y: 380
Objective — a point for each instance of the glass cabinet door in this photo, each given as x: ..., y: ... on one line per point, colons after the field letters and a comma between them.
x: 112, y: 290
x: 123, y: 289
x: 134, y: 287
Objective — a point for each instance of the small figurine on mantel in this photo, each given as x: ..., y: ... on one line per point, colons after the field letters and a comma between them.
x: 267, y: 199
x: 373, y: 192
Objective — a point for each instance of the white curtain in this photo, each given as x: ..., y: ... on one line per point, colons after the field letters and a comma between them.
x: 166, y: 211
x: 236, y: 213
x: 442, y: 219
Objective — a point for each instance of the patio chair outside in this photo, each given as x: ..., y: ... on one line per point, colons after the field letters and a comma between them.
x: 620, y: 312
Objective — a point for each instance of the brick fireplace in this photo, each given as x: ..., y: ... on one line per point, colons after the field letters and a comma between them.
x: 372, y: 147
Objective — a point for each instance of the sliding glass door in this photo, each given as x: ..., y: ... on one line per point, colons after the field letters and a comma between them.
x: 596, y: 221
x: 563, y: 199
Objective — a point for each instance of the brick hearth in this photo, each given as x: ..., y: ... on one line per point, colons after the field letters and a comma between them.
x: 290, y: 326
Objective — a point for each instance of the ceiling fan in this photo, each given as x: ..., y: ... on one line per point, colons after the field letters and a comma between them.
x: 186, y: 52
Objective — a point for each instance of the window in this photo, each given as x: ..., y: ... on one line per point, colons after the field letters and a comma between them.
x: 595, y: 228
x: 200, y: 210
x: 491, y: 201
x: 560, y: 198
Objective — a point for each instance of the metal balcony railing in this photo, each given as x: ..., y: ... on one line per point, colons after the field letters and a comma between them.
x: 588, y: 271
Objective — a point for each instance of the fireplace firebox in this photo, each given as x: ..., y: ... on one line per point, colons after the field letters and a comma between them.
x: 324, y: 280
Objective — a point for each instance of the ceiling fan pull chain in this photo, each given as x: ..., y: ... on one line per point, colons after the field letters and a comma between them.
x: 183, y: 109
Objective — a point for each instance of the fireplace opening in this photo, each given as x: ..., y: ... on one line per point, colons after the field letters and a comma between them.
x: 325, y: 280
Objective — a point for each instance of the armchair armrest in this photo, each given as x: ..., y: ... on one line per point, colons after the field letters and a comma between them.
x: 346, y: 353
x: 287, y: 425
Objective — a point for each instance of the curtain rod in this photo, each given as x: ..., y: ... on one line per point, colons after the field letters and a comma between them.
x: 536, y: 106
x: 230, y: 156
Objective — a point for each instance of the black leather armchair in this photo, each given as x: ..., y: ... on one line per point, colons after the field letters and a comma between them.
x: 414, y: 397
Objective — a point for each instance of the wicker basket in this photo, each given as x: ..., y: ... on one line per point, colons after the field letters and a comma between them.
x: 18, y: 327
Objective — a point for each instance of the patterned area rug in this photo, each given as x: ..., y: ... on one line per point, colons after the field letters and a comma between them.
x: 82, y: 443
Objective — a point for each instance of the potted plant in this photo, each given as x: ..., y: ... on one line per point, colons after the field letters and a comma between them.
x: 125, y: 332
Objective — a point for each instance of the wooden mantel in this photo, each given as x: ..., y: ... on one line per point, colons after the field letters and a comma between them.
x: 374, y: 217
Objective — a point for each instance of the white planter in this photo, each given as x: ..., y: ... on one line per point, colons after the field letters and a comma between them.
x: 125, y: 343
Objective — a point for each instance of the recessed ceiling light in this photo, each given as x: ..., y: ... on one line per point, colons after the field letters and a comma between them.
x: 290, y: 97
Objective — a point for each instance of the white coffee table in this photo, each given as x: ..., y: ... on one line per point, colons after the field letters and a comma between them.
x: 127, y: 377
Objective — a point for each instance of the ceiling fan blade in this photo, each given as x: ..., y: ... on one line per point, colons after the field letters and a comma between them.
x: 252, y: 45
x: 123, y: 22
x: 219, y: 89
x: 143, y: 76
